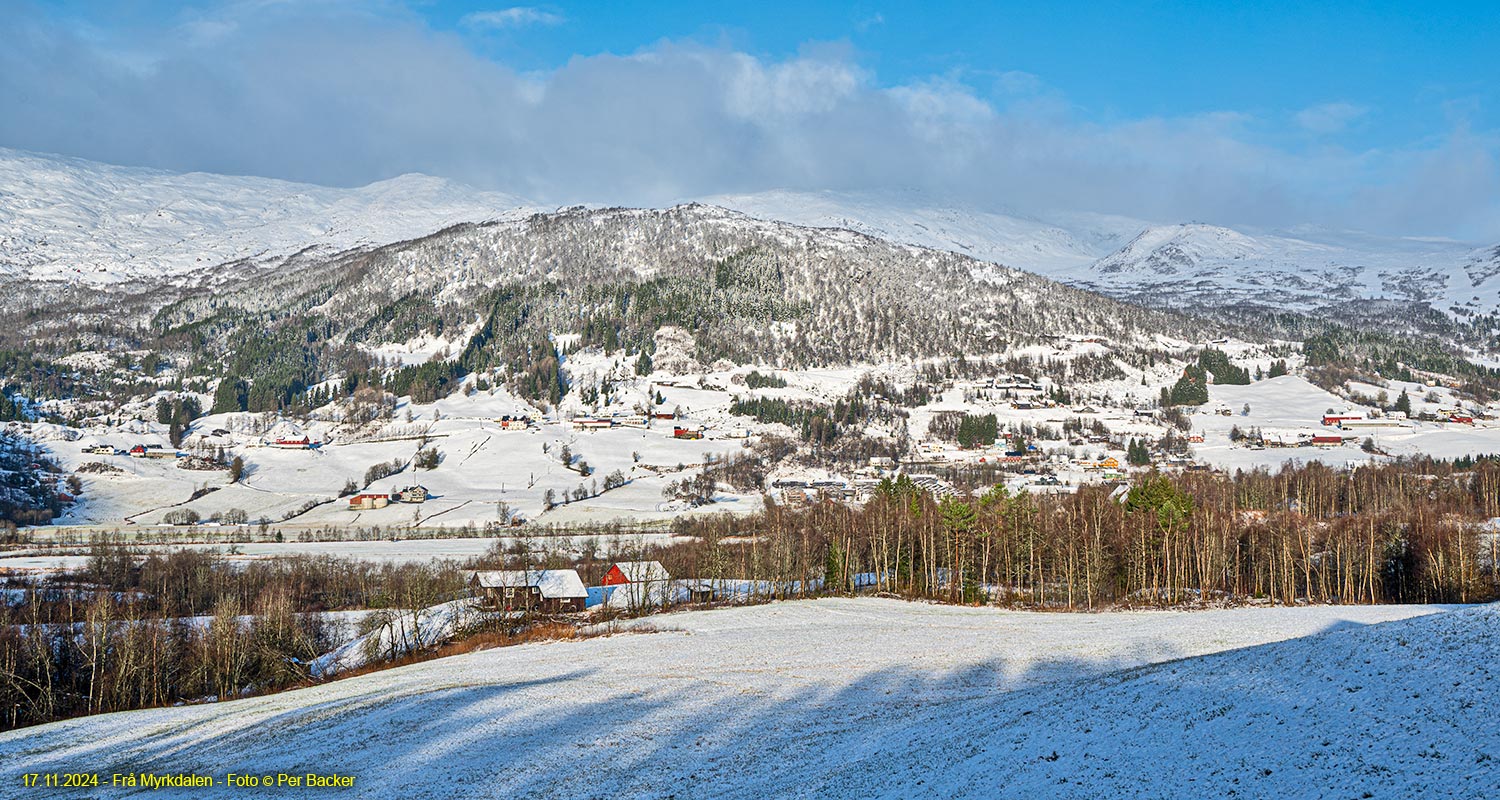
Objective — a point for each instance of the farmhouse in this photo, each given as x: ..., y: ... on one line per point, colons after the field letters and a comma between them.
x: 411, y: 494
x: 1281, y: 438
x: 591, y: 423
x: 1353, y: 424
x: 1339, y: 419
x: 1327, y: 439
x: 510, y: 423
x: 100, y: 450
x: 288, y: 443
x: 365, y: 502
x: 546, y: 590
x: 687, y: 432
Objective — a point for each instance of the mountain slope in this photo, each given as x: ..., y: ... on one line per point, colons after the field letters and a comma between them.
x: 746, y: 290
x: 1206, y: 265
x: 1190, y: 265
x: 1054, y: 249
x: 75, y: 220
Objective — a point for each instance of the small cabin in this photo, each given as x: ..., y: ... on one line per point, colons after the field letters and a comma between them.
x: 553, y: 591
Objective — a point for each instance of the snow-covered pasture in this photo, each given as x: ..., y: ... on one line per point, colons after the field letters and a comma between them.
x: 403, y: 551
x: 874, y: 698
x: 1290, y: 403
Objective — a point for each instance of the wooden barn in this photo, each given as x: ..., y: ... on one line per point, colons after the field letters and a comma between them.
x: 623, y: 572
x: 366, y: 502
x: 551, y: 591
x: 638, y: 585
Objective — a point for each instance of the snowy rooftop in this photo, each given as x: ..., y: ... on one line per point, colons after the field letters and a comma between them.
x: 554, y: 583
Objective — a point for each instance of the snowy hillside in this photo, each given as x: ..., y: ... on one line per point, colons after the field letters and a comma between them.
x: 867, y: 698
x: 75, y: 220
x: 1197, y: 264
x: 1047, y: 248
x: 1191, y: 265
x: 70, y: 219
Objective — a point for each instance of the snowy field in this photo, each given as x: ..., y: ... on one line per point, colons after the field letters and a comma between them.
x: 405, y: 551
x: 1290, y: 403
x: 873, y: 698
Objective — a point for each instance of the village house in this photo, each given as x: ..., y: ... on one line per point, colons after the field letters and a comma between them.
x: 687, y: 432
x: 510, y: 423
x: 1360, y: 423
x: 552, y: 591
x: 411, y: 494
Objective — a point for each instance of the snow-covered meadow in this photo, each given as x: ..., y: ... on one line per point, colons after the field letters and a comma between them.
x: 874, y: 698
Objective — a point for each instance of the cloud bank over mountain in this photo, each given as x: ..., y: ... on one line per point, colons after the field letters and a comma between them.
x: 340, y: 95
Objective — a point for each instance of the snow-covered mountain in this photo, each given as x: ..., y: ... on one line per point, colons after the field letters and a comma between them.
x: 1191, y: 265
x: 1198, y: 264
x: 82, y: 221
x: 71, y: 219
x: 1051, y: 248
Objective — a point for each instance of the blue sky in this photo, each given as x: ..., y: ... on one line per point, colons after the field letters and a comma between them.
x: 1380, y: 116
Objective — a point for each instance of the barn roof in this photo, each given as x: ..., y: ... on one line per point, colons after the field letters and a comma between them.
x: 643, y: 571
x: 553, y: 583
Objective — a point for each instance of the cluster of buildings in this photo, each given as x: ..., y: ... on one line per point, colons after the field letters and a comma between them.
x: 366, y: 501
x: 136, y: 451
x: 626, y: 586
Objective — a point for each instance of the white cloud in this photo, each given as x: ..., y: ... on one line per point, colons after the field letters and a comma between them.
x: 515, y: 17
x: 347, y: 98
x: 1329, y: 117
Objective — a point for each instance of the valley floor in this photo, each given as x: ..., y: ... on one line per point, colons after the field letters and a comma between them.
x: 869, y: 697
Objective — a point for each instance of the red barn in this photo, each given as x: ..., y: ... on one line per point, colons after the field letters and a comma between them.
x: 623, y: 572
x: 1327, y: 439
x: 1336, y: 419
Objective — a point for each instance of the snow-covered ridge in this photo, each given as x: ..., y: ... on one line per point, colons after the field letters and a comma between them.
x: 76, y: 220
x: 1189, y: 265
